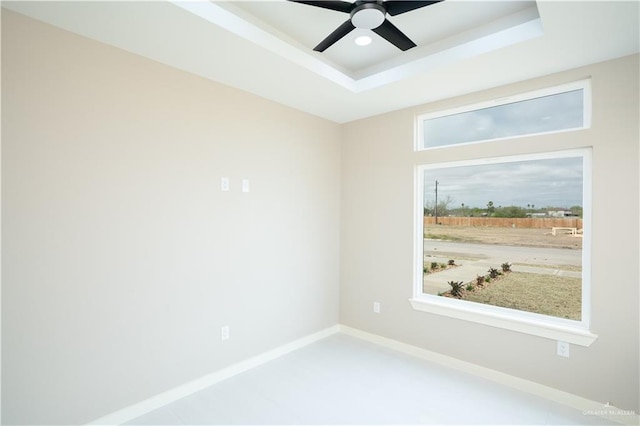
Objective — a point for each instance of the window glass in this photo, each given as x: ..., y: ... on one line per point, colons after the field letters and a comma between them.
x: 555, y: 112
x: 507, y: 232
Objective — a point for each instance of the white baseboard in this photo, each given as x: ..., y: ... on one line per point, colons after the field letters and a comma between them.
x: 143, y: 407
x: 588, y: 407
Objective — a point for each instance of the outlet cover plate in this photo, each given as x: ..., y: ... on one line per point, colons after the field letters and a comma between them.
x: 224, y: 332
x: 563, y: 349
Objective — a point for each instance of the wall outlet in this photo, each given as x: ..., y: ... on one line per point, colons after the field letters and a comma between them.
x: 376, y: 307
x: 224, y: 333
x: 563, y: 349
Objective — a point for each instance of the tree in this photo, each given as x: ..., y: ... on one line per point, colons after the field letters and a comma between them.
x: 490, y: 208
x: 576, y: 210
x: 475, y: 211
x: 511, y: 211
x: 443, y: 207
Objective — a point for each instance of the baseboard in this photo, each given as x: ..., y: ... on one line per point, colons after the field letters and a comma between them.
x: 588, y: 407
x: 143, y: 407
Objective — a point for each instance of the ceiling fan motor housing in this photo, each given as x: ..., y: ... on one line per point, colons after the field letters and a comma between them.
x: 368, y: 15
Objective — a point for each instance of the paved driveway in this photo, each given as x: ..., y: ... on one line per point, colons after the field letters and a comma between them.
x: 511, y: 254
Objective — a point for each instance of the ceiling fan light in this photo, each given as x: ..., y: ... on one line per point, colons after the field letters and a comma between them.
x: 368, y: 17
x: 363, y: 40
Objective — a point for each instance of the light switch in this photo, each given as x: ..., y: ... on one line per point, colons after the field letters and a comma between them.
x: 224, y: 184
x: 245, y: 185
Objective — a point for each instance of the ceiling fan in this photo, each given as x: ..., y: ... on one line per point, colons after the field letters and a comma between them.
x: 370, y: 15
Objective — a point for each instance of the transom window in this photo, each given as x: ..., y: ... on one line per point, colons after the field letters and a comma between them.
x: 558, y: 109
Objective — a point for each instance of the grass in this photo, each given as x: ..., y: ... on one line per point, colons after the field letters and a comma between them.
x: 543, y: 294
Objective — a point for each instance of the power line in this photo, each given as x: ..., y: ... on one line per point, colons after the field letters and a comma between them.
x: 436, y: 207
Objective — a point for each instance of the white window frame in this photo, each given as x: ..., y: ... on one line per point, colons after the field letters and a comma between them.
x: 584, y: 85
x: 576, y: 332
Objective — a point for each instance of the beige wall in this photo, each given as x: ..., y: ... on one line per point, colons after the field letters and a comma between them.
x: 377, y: 240
x: 121, y: 256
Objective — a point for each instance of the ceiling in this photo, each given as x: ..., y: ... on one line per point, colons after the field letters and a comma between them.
x: 431, y: 28
x: 265, y: 47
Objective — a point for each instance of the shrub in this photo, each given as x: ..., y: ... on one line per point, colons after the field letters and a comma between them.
x: 443, y: 265
x: 487, y: 279
x: 506, y: 267
x: 456, y: 288
x: 480, y: 280
x: 434, y: 265
x: 469, y: 287
x: 493, y: 273
x: 452, y: 262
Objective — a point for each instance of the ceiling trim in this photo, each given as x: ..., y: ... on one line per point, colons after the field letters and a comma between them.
x: 168, y: 33
x: 232, y: 22
x: 516, y: 28
x: 508, y: 31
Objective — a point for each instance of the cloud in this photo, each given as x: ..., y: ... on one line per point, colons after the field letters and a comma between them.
x: 545, y: 114
x: 555, y: 182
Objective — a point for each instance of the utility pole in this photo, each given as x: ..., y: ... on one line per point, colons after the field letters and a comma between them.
x: 436, y: 207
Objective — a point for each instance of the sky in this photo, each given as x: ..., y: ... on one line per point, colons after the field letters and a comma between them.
x: 553, y: 182
x: 544, y: 114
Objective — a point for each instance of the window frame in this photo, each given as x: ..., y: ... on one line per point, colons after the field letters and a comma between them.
x: 584, y: 85
x: 576, y: 332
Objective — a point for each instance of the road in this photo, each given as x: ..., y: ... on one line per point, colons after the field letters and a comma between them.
x: 511, y: 254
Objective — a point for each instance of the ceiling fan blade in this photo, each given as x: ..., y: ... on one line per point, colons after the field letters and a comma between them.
x: 340, y: 32
x: 396, y: 7
x: 393, y: 35
x: 340, y: 6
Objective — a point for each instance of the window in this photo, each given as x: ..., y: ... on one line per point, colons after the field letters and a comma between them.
x: 554, y: 110
x: 504, y: 241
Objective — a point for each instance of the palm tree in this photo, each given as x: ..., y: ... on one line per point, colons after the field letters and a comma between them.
x: 490, y: 208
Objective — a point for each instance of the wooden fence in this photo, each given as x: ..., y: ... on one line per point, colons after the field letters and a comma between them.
x: 501, y: 222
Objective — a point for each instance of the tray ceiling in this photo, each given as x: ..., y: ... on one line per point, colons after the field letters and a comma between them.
x: 265, y: 47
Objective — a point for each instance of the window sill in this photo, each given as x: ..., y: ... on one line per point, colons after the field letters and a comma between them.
x: 522, y: 324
